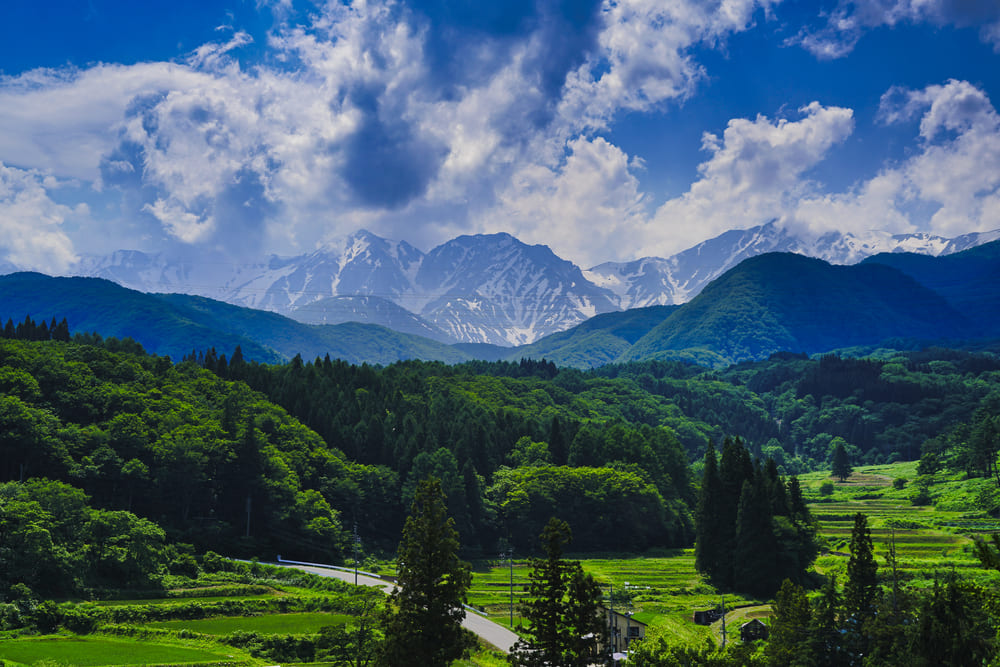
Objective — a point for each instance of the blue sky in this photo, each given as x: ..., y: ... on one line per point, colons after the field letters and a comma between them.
x: 607, y: 130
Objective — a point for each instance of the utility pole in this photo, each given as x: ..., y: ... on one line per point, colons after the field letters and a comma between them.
x: 357, y: 541
x: 611, y: 619
x: 508, y: 554
x: 723, y: 621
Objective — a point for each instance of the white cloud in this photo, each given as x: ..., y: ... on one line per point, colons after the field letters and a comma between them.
x: 353, y: 125
x: 949, y: 186
x: 756, y: 172
x: 30, y: 222
x: 644, y: 57
x: 589, y: 208
x: 848, y: 22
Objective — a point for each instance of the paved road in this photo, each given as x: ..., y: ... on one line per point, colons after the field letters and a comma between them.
x: 494, y: 633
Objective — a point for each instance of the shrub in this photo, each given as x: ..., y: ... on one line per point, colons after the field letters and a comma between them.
x: 899, y: 483
x: 826, y: 489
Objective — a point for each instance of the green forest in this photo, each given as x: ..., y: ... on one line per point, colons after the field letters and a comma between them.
x: 118, y: 468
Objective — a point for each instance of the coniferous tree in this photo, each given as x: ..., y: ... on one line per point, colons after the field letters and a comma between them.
x: 825, y: 646
x: 564, y: 622
x: 789, y: 626
x: 862, y: 591
x: 840, y: 462
x: 709, y: 546
x: 424, y: 624
x: 755, y: 567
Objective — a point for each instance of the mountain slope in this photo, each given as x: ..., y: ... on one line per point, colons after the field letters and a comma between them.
x: 784, y: 301
x: 968, y: 280
x: 681, y: 277
x: 176, y: 324
x: 369, y: 310
x: 598, y: 341
x: 492, y: 288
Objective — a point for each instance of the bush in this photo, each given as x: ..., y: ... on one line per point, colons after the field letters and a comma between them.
x: 899, y: 483
x: 921, y: 497
x: 826, y: 489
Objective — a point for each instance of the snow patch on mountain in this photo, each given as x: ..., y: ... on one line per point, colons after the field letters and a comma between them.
x: 487, y: 288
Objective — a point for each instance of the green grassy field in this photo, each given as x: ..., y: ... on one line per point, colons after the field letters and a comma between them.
x: 282, y: 624
x: 96, y: 650
x: 663, y: 591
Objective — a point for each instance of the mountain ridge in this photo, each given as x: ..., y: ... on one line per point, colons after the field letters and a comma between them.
x: 484, y: 288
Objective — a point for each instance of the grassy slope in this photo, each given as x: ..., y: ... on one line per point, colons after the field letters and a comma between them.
x: 665, y: 590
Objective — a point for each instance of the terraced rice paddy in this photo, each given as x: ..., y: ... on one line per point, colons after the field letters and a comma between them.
x: 296, y: 623
x: 86, y: 651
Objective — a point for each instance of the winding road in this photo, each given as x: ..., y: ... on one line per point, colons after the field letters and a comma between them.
x: 491, y: 632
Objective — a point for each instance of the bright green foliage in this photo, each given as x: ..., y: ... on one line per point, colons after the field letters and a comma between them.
x: 424, y: 619
x: 602, y: 505
x: 54, y: 543
x: 564, y: 622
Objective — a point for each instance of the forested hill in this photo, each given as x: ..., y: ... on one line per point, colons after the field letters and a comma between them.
x: 770, y: 303
x: 176, y: 324
x: 783, y: 301
x: 317, y: 445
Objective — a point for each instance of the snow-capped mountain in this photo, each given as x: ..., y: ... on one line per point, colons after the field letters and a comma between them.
x: 655, y: 281
x: 495, y: 289
x: 488, y: 288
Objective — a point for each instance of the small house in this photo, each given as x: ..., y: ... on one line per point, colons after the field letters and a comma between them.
x: 705, y: 616
x: 624, y: 629
x: 753, y: 630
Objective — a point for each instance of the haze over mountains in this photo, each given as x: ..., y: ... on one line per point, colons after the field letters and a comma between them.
x: 767, y: 303
x: 479, y: 289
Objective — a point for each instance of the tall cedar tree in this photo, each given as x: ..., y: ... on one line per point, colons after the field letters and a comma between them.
x: 755, y: 566
x: 564, y: 621
x: 862, y: 591
x: 424, y: 624
x: 789, y: 626
x: 825, y: 646
x: 840, y: 462
x: 709, y: 546
x: 752, y: 530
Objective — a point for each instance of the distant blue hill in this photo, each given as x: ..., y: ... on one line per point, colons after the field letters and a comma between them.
x: 177, y: 324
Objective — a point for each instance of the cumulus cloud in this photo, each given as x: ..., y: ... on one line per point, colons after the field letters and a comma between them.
x: 374, y: 112
x: 851, y: 19
x: 31, y: 233
x: 644, y: 54
x: 756, y: 172
x: 950, y: 185
x: 590, y: 208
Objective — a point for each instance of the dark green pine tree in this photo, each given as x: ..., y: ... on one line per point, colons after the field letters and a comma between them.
x: 825, y: 645
x: 789, y: 626
x: 861, y: 592
x: 564, y: 621
x: 756, y: 569
x: 735, y: 468
x: 796, y: 503
x: 709, y: 545
x: 840, y: 462
x: 424, y: 617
